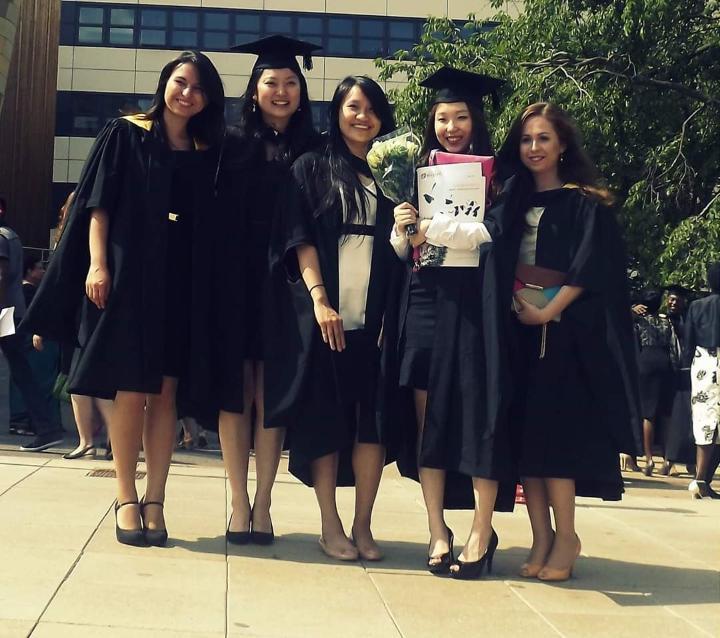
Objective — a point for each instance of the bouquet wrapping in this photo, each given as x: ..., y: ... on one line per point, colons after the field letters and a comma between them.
x: 393, y: 159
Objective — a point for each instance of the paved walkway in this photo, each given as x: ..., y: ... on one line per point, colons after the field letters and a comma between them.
x: 649, y: 565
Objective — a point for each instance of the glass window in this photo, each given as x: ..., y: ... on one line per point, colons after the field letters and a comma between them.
x: 371, y: 28
x: 340, y: 46
x: 278, y: 24
x: 68, y: 12
x: 370, y: 47
x: 217, y: 21
x: 91, y: 15
x: 309, y: 26
x: 122, y: 17
x: 400, y: 45
x: 404, y: 30
x: 122, y: 37
x: 185, y: 19
x: 153, y: 18
x: 184, y: 39
x: 152, y: 38
x: 247, y: 23
x: 340, y: 26
x: 216, y: 40
x: 243, y: 38
x: 90, y: 35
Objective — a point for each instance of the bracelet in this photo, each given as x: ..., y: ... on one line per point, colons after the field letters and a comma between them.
x: 315, y: 286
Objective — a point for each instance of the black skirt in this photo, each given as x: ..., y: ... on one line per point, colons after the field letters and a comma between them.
x: 559, y: 406
x: 419, y: 330
x: 354, y: 373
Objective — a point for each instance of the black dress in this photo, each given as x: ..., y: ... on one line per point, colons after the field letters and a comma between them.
x: 451, y: 341
x: 328, y: 399
x: 572, y: 405
x: 129, y: 174
x: 657, y: 360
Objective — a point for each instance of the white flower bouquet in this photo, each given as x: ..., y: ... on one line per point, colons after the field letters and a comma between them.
x: 393, y: 159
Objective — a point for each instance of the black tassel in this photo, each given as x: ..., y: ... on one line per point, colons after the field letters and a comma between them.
x: 495, y: 100
x: 307, y: 62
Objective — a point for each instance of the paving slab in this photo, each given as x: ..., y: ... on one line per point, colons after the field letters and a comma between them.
x: 67, y: 630
x: 316, y: 599
x: 153, y: 593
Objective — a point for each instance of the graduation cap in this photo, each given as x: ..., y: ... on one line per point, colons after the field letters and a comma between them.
x: 454, y: 85
x: 279, y: 52
x: 677, y: 289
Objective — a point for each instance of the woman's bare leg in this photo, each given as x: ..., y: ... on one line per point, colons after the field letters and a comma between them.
x: 324, y: 474
x: 126, y: 427
x: 158, y: 445
x: 432, y: 482
x: 648, y: 439
x: 561, y: 493
x: 485, y: 492
x: 235, y: 440
x: 268, y: 447
x: 368, y: 460
x: 83, y: 412
x: 538, y: 509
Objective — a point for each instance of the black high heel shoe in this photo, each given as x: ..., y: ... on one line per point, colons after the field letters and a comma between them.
x: 237, y: 538
x: 153, y: 537
x: 133, y: 537
x: 261, y: 538
x: 469, y: 570
x: 445, y: 560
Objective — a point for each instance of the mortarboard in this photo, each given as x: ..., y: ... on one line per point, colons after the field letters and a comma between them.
x: 279, y: 52
x: 454, y: 85
x: 677, y: 289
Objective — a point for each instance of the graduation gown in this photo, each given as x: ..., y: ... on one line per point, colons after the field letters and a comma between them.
x: 578, y: 406
x: 467, y: 431
x: 128, y: 173
x: 307, y: 384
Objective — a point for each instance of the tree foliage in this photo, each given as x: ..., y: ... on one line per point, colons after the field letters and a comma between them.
x: 641, y: 77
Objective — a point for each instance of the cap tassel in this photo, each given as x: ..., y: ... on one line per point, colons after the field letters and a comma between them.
x: 307, y: 62
x: 495, y: 100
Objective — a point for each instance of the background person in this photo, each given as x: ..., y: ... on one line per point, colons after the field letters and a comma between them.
x: 702, y: 354
x: 18, y: 347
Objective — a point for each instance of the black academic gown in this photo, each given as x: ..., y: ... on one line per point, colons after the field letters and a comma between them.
x: 577, y: 407
x: 679, y: 440
x: 304, y: 379
x: 128, y: 173
x: 467, y: 430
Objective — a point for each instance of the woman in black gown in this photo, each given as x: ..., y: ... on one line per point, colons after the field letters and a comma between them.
x: 576, y: 396
x: 337, y: 224
x: 134, y: 265
x: 275, y: 128
x: 450, y: 348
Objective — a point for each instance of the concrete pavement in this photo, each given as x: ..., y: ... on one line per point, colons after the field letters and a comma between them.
x: 649, y: 564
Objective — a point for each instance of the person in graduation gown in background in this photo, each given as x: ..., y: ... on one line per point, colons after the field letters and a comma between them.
x: 450, y: 348
x: 132, y: 267
x: 576, y: 399
x: 274, y: 129
x: 679, y: 441
x: 334, y: 247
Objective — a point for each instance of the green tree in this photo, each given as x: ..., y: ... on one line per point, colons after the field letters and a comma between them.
x: 641, y: 77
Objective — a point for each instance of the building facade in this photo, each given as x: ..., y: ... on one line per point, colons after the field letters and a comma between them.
x: 111, y: 52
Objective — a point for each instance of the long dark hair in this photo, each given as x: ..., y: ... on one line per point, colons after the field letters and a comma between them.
x: 345, y: 185
x: 300, y: 134
x: 480, y: 143
x: 575, y: 165
x: 208, y: 126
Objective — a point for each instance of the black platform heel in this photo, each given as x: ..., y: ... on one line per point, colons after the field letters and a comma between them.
x: 236, y: 538
x: 442, y: 567
x: 133, y: 537
x: 153, y: 537
x: 473, y: 569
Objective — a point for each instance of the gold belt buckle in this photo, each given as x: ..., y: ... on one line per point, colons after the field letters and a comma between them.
x: 173, y: 217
